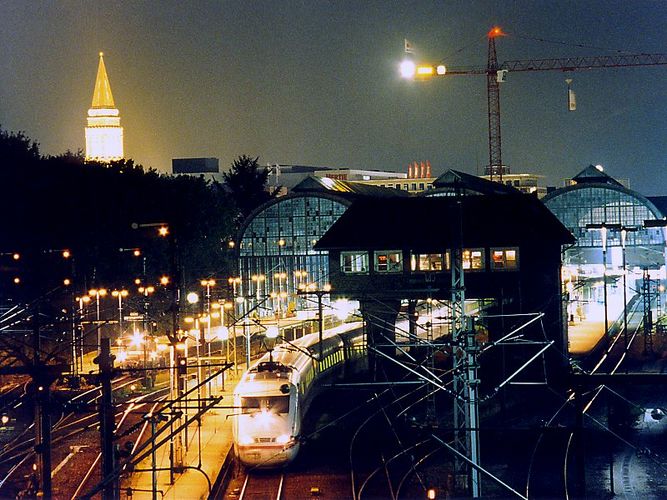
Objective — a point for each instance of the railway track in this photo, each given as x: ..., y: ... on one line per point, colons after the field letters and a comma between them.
x: 558, y: 462
x: 262, y: 486
x: 74, y: 447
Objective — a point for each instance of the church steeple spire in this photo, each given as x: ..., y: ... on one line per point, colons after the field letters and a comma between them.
x: 102, y: 96
x: 104, y: 135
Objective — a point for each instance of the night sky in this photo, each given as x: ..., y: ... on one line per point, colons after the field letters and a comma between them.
x: 316, y: 83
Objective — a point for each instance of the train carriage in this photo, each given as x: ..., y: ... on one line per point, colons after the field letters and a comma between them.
x: 275, y: 393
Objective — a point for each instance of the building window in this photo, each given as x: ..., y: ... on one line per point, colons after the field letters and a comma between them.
x: 405, y: 186
x: 473, y: 259
x: 504, y: 259
x: 421, y: 186
x: 354, y: 262
x: 389, y: 261
x: 429, y: 262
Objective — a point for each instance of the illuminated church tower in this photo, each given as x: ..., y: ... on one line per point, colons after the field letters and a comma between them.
x: 104, y: 135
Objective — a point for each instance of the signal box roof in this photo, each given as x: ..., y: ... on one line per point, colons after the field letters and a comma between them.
x: 431, y: 224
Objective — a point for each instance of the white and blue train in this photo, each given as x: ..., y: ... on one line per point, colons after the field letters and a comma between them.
x: 273, y: 396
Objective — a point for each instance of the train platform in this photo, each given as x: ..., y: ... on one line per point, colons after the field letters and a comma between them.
x: 207, y: 448
x: 585, y: 329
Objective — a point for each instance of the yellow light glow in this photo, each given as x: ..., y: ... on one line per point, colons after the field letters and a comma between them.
x: 16, y: 256
x: 17, y: 280
x: 163, y: 231
x: 425, y: 70
x: 137, y: 339
x: 66, y: 254
x: 164, y: 280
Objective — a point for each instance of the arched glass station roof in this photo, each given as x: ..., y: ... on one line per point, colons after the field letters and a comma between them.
x: 275, y: 248
x: 597, y: 199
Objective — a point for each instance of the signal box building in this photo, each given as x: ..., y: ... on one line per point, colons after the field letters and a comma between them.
x: 382, y: 252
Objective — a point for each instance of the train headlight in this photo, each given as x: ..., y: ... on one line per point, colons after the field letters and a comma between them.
x: 283, y: 439
x: 244, y: 439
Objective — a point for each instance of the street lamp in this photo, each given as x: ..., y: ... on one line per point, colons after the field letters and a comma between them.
x: 193, y: 298
x: 257, y: 278
x: 319, y: 293
x: 97, y: 293
x: 221, y: 333
x: 120, y: 295
x: 246, y: 333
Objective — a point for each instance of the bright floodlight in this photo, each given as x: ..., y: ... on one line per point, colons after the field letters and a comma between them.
x: 192, y: 298
x: 441, y: 69
x: 271, y: 332
x: 408, y: 69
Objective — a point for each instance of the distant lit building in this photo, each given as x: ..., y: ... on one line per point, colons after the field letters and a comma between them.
x: 288, y: 176
x: 418, y: 179
x: 207, y: 167
x: 526, y: 183
x: 104, y: 135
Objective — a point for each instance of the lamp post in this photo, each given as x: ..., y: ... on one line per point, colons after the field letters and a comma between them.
x: 97, y: 293
x: 246, y: 333
x: 193, y: 298
x: 319, y: 293
x: 280, y: 277
x: 120, y: 295
x: 146, y: 291
x: 78, y: 359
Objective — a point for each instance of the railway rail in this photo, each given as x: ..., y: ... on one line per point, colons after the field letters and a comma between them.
x: 74, y: 445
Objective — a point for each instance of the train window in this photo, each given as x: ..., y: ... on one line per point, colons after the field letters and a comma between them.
x: 389, y: 261
x: 354, y: 262
x: 274, y: 404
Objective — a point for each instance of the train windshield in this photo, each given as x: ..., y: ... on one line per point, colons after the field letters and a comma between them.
x: 274, y: 404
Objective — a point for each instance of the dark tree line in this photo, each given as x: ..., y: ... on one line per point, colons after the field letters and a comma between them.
x: 49, y: 203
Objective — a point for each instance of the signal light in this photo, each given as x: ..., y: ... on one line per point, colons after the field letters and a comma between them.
x: 181, y: 365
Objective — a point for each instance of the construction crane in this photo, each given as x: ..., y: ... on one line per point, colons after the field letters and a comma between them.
x: 496, y: 73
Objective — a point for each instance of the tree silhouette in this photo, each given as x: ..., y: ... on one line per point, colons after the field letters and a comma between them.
x: 246, y: 184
